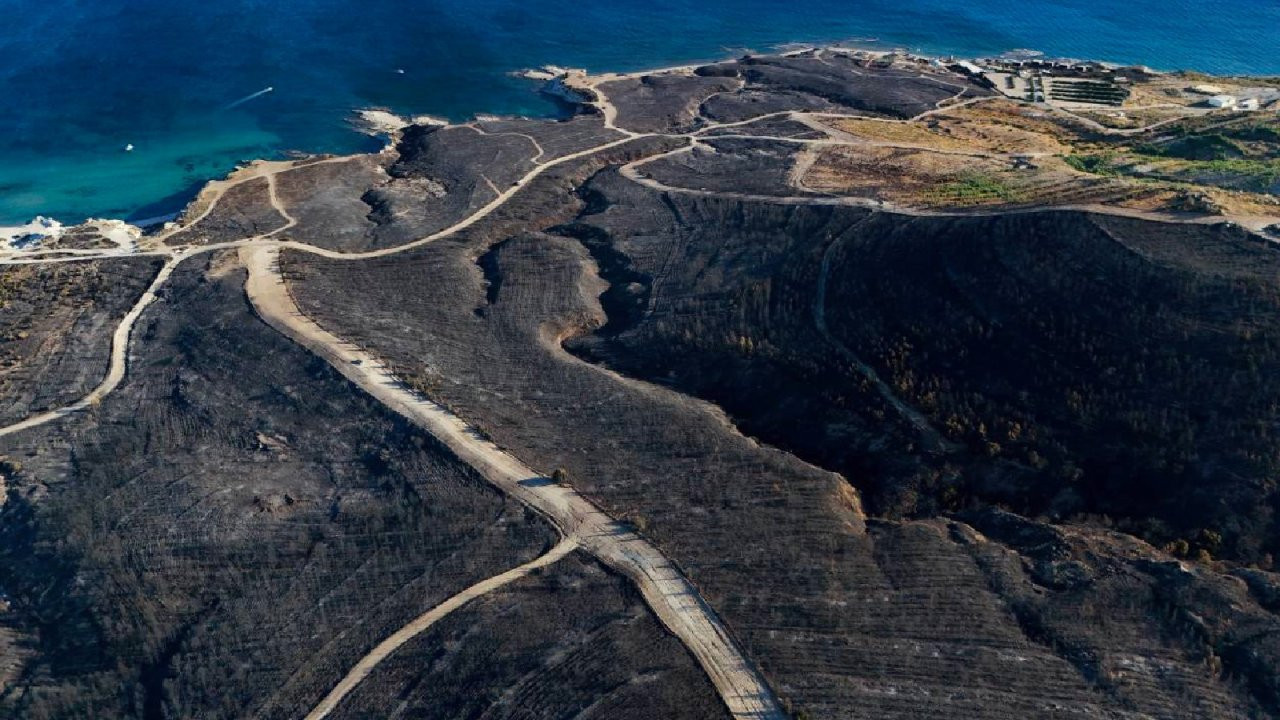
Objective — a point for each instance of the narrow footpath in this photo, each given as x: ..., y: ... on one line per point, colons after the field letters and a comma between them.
x: 119, y: 359
x: 423, y: 622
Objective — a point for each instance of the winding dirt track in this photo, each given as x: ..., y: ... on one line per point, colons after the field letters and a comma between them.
x: 672, y: 597
x: 119, y: 359
x: 632, y: 173
x: 421, y: 623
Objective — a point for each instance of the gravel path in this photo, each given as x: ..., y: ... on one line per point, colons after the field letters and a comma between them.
x: 672, y: 597
x: 421, y: 623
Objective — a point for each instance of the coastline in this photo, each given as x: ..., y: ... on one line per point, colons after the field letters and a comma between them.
x: 558, y: 82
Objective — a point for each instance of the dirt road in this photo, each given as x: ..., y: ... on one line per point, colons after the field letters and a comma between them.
x: 671, y: 596
x: 421, y: 623
x: 119, y: 358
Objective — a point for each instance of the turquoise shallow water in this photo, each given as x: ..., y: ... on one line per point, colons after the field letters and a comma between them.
x: 80, y: 79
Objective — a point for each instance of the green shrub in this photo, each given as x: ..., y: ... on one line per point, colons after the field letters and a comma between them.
x: 1096, y: 164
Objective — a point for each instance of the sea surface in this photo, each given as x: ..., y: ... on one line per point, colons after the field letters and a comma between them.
x: 81, y: 79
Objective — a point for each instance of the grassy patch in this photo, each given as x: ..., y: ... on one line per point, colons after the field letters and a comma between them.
x: 1256, y: 132
x: 1095, y: 164
x: 976, y: 189
x: 1200, y: 147
x: 1261, y: 170
x: 1259, y: 173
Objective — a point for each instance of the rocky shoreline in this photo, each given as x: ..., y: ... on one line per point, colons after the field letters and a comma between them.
x: 567, y: 85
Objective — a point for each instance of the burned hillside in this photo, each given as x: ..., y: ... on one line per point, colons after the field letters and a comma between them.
x: 56, y: 323
x: 1084, y: 367
x: 230, y: 530
x: 816, y: 385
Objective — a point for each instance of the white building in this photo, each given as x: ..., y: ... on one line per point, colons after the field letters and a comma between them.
x: 1250, y: 103
x: 1222, y: 101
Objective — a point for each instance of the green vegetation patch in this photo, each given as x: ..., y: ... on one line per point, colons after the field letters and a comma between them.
x: 1201, y: 159
x: 1257, y: 132
x: 1256, y: 169
x: 1199, y: 147
x: 976, y: 188
x: 1094, y: 163
x: 1247, y: 157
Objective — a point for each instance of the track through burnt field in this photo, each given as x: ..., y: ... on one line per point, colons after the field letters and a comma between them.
x: 429, y: 618
x: 672, y: 597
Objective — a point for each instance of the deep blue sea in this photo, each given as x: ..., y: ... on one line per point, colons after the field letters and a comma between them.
x: 80, y: 79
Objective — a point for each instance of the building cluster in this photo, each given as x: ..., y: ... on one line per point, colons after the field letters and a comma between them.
x: 1074, y: 82
x: 1069, y: 82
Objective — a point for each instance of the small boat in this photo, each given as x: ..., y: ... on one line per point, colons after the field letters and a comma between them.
x: 128, y: 148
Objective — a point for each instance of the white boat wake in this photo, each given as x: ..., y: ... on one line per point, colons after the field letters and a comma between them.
x: 247, y: 98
